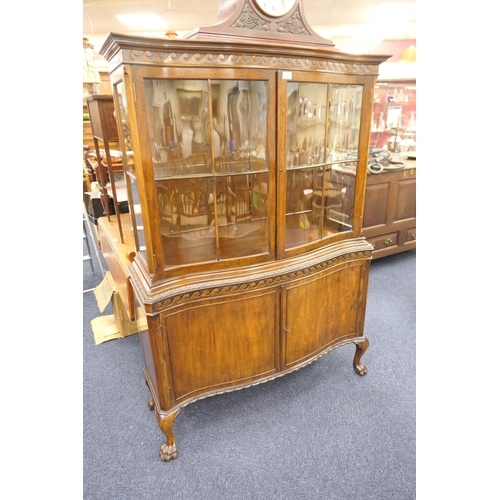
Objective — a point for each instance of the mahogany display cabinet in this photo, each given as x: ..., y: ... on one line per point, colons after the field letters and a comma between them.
x: 249, y: 142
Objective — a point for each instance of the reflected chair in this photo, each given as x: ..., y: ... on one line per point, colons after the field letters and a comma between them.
x: 191, y: 202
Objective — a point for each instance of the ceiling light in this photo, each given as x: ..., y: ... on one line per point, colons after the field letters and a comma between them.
x: 145, y: 21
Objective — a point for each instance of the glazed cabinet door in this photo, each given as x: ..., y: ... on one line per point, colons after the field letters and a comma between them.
x: 321, y: 311
x: 207, y: 162
x: 319, y: 139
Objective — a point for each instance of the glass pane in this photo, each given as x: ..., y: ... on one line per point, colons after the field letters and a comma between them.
x: 187, y: 220
x: 179, y: 126
x: 124, y: 123
x: 333, y: 200
x: 306, y: 127
x: 129, y: 168
x: 210, y: 212
x: 242, y: 214
x: 301, y: 222
x: 320, y: 199
x: 344, y: 120
x: 305, y: 142
x: 136, y: 211
x: 239, y: 110
x: 343, y: 139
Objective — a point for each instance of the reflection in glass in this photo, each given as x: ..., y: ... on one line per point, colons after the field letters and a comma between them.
x: 239, y: 109
x: 242, y: 203
x: 123, y: 117
x: 202, y: 220
x: 300, y: 188
x: 344, y: 120
x: 135, y: 209
x: 208, y: 211
x: 187, y: 220
x: 178, y: 117
x: 306, y: 123
x: 322, y: 137
x: 129, y: 168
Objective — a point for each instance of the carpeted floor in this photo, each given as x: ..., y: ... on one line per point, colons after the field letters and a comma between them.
x: 320, y: 433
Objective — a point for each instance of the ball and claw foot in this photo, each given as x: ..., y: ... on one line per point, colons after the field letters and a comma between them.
x: 359, y: 367
x: 168, y: 452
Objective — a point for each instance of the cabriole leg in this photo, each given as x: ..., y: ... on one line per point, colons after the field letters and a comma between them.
x: 361, y: 348
x: 168, y: 451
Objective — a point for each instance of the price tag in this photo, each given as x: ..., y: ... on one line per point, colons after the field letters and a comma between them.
x: 287, y: 75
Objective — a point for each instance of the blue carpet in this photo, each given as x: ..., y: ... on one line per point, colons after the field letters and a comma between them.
x: 322, y: 432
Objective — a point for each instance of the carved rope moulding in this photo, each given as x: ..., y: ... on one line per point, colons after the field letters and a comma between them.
x: 236, y: 60
x: 228, y: 287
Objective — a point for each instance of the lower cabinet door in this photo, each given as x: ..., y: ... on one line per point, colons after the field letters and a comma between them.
x: 218, y: 343
x: 321, y: 311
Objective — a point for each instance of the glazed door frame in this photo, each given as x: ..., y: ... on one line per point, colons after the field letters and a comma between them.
x: 367, y: 83
x: 158, y: 267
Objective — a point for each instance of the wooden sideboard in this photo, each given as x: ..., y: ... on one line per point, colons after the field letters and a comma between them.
x: 390, y: 217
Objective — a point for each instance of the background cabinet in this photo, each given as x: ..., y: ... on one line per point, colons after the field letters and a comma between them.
x: 390, y: 218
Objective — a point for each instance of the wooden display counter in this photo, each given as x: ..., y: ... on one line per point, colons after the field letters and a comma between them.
x: 390, y: 218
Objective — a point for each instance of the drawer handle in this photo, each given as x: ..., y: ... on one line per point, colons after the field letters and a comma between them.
x: 388, y: 241
x: 413, y: 236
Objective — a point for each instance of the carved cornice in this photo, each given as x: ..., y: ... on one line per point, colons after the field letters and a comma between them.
x: 196, y: 59
x: 238, y: 52
x: 184, y: 294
